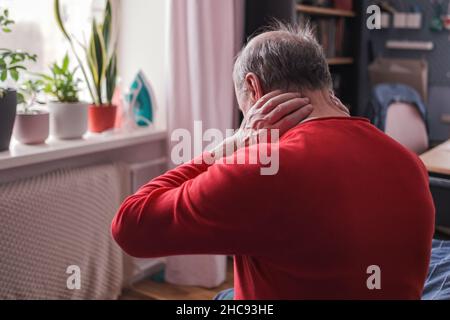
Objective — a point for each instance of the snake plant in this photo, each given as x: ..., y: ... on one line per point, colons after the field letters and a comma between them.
x: 100, y: 66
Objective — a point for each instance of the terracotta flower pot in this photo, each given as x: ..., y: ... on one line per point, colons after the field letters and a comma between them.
x: 102, y: 118
x: 32, y: 128
x: 68, y: 120
x: 8, y: 105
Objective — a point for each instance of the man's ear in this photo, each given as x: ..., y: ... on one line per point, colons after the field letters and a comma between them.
x: 254, y: 87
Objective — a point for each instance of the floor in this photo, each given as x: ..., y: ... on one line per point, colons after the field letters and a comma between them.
x: 151, y: 290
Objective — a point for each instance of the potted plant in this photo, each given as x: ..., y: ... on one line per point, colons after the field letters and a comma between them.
x: 32, y: 122
x: 100, y: 69
x: 11, y: 67
x: 68, y: 116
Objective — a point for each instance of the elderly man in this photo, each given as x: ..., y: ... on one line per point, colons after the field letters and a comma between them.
x: 348, y: 215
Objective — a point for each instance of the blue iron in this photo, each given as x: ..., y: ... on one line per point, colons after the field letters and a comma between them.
x: 141, y: 100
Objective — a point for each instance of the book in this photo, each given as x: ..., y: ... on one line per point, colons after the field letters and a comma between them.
x: 330, y: 33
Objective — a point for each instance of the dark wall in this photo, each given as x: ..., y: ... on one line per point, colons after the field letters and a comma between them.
x: 260, y: 13
x: 364, y: 58
x: 438, y: 59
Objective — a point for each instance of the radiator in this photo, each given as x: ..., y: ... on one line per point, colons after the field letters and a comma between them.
x: 51, y: 223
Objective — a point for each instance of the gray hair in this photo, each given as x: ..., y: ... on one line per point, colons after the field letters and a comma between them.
x: 287, y: 57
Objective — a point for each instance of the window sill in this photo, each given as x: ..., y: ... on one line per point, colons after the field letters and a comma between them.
x: 24, y: 155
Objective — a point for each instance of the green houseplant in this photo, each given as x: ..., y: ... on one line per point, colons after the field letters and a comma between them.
x: 99, y: 69
x: 11, y: 68
x: 32, y: 122
x: 68, y: 116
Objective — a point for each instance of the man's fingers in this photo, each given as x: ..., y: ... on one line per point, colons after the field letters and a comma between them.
x: 276, y: 101
x: 292, y: 120
x: 285, y: 109
x: 261, y: 102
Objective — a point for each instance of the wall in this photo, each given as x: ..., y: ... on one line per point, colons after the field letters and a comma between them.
x: 142, y: 46
x: 260, y: 13
x: 439, y: 67
x: 438, y: 61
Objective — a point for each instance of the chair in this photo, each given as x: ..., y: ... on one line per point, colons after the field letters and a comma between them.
x: 399, y: 111
x: 405, y: 125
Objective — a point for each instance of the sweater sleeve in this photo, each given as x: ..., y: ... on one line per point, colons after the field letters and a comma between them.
x: 196, y: 209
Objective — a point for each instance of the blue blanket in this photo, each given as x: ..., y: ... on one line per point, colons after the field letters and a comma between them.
x: 437, y: 286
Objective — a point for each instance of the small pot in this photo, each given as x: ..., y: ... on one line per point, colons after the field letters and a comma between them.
x: 102, y: 118
x: 32, y: 127
x: 68, y: 120
x: 8, y: 106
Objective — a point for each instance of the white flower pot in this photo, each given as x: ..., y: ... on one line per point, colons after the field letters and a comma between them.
x: 68, y: 120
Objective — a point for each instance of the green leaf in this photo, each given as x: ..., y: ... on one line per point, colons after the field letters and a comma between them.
x: 97, y: 59
x: 111, y: 78
x: 14, y: 74
x: 57, y: 70
x: 4, y: 75
x: 66, y: 62
x: 20, y: 98
x: 44, y: 76
x: 59, y: 20
x: 107, y: 25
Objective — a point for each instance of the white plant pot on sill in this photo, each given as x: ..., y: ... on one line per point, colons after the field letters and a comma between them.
x: 68, y: 120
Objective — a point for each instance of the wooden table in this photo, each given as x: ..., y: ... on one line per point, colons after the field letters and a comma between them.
x: 437, y: 160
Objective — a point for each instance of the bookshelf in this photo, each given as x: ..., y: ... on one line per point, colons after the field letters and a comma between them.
x: 335, y: 29
x: 340, y: 61
x: 346, y: 59
x: 325, y: 11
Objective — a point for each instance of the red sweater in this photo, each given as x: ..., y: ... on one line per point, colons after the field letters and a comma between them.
x: 346, y: 197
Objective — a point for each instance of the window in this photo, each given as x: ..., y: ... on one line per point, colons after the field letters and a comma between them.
x: 36, y: 30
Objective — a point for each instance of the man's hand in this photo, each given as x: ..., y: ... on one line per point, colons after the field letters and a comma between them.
x: 276, y: 110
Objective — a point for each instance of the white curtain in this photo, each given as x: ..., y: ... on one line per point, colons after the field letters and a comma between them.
x: 204, y: 38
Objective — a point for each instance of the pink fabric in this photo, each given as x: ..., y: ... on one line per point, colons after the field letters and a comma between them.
x: 203, y: 37
x: 404, y: 124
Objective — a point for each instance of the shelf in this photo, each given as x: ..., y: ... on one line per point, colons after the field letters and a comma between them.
x: 325, y: 11
x: 21, y: 155
x: 340, y: 61
x: 410, y: 45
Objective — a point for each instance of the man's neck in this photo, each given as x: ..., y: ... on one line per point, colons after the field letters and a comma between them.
x: 325, y: 106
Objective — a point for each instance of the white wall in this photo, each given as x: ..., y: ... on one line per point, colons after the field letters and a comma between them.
x: 142, y: 46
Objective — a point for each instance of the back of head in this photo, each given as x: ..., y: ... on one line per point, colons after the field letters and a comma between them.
x: 284, y: 57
